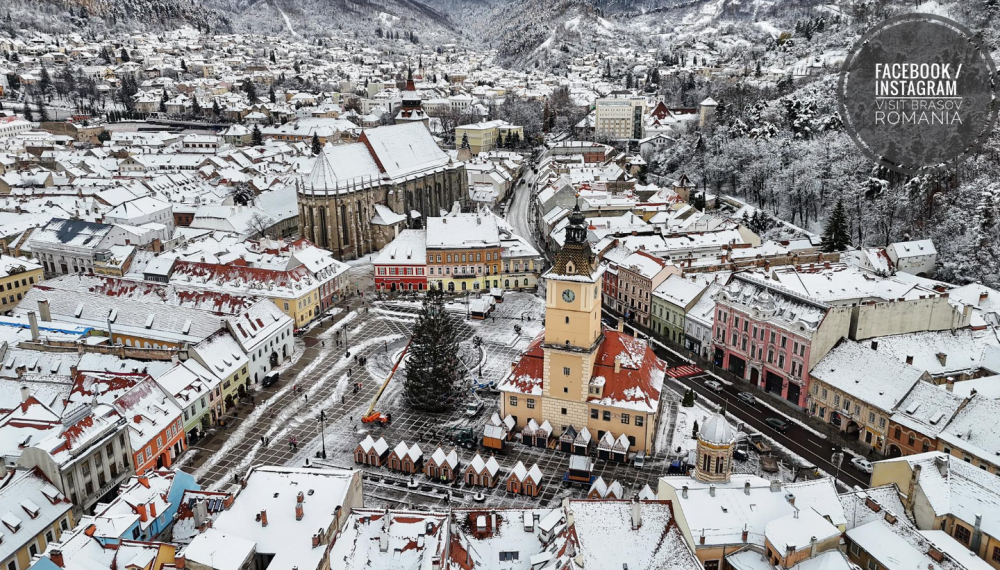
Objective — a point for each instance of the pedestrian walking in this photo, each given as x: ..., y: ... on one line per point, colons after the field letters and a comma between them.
x: 291, y: 444
x: 262, y: 440
x: 267, y: 441
x: 306, y: 396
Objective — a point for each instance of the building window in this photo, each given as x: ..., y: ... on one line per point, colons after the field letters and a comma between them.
x: 638, y: 421
x: 996, y: 554
x: 565, y: 370
x: 531, y: 403
x: 563, y: 411
x: 897, y: 434
x: 624, y: 418
x: 872, y: 565
x: 594, y: 414
x: 962, y: 534
x: 855, y: 549
x: 607, y: 416
x: 513, y: 400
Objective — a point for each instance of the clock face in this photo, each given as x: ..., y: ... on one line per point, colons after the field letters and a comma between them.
x: 568, y: 295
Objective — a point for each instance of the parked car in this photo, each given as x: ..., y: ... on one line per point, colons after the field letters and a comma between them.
x: 862, y: 464
x: 713, y: 385
x: 747, y: 398
x: 740, y: 454
x: 777, y: 423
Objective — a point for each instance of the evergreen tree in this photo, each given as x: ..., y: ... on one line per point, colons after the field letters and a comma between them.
x: 271, y: 96
x: 45, y: 81
x: 216, y: 109
x: 317, y: 147
x: 694, y: 430
x: 465, y: 142
x: 184, y: 66
x: 195, y: 107
x: 256, y: 137
x: 125, y: 56
x: 43, y: 114
x: 514, y: 140
x: 688, y: 401
x: 163, y: 102
x: 250, y: 89
x: 432, y: 371
x: 296, y: 67
x: 273, y: 59
x: 103, y: 136
x: 28, y: 115
x: 105, y: 54
x: 837, y: 234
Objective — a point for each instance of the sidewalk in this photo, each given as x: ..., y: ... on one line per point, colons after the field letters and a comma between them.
x: 218, y: 435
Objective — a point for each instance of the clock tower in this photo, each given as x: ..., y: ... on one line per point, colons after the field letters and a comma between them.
x: 572, y: 323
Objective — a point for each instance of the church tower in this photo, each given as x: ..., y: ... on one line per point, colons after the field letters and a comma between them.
x: 715, y: 451
x: 572, y: 325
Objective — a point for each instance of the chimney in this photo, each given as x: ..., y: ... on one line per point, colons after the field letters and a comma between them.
x: 936, y: 554
x: 636, y: 514
x: 684, y: 492
x: 977, y: 533
x: 711, y: 490
x: 789, y: 552
x: 57, y: 558
x: 25, y: 394
x: 33, y: 322
x: 618, y: 364
x: 775, y: 486
x: 701, y: 539
x: 874, y: 345
x: 299, y: 511
x: 621, y: 324
x: 790, y: 497
x: 746, y: 488
x: 983, y: 296
x: 43, y: 310
x: 746, y: 533
x: 263, y: 518
x: 949, y: 384
x: 909, y: 360
x: 795, y: 514
x: 315, y: 540
x: 812, y: 547
x: 383, y: 535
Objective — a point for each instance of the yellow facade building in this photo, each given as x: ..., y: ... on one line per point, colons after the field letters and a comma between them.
x: 38, y: 516
x: 463, y: 253
x: 484, y: 137
x: 17, y: 276
x: 578, y: 374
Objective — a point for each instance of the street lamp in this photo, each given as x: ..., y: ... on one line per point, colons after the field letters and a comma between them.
x: 837, y: 459
x: 322, y: 432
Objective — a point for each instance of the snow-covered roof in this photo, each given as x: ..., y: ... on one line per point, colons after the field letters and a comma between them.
x: 795, y: 530
x: 716, y: 430
x: 463, y: 231
x: 403, y: 150
x: 409, y: 248
x: 275, y: 490
x: 870, y: 376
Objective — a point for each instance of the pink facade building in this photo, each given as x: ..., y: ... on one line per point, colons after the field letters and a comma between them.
x: 765, y: 335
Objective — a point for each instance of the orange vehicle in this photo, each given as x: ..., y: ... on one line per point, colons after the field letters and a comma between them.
x: 378, y: 418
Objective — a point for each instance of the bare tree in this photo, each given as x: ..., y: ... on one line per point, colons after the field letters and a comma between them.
x: 259, y: 225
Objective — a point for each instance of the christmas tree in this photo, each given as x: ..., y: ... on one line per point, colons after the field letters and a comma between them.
x: 317, y: 147
x: 432, y: 371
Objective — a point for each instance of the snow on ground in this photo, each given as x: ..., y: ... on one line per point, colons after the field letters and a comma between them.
x: 287, y: 417
x: 288, y: 22
x: 769, y: 28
